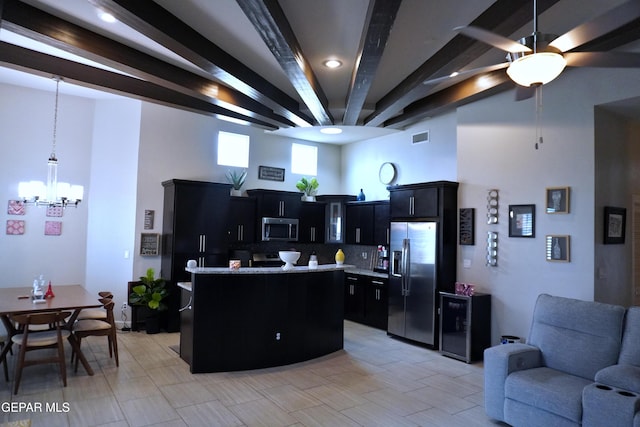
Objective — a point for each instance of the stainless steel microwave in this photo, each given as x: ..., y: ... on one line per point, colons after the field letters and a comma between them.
x: 279, y: 229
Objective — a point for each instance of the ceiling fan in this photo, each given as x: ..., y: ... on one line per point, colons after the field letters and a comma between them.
x: 539, y: 58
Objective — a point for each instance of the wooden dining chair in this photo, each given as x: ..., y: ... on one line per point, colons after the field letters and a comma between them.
x: 3, y: 339
x: 96, y: 313
x: 29, y: 340
x: 96, y: 327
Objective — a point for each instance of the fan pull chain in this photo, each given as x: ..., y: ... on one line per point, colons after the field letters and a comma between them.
x: 539, y: 139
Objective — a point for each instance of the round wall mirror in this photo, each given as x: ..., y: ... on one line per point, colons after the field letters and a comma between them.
x: 387, y: 173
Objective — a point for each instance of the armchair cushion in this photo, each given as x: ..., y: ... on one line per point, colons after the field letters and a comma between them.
x: 630, y: 351
x: 626, y: 377
x: 548, y: 390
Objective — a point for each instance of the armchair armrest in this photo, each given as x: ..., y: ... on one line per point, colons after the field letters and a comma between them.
x: 499, y: 362
x: 626, y: 377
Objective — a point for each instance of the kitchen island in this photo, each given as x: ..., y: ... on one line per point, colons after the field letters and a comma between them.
x: 254, y: 318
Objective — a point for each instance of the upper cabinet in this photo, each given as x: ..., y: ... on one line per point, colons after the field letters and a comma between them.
x: 312, y: 222
x: 413, y: 201
x: 335, y: 216
x: 241, y: 221
x: 367, y: 223
x: 276, y: 204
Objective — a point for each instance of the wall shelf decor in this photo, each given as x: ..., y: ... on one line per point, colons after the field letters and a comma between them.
x: 558, y: 248
x: 557, y: 200
x: 522, y: 220
x: 492, y: 206
x: 614, y: 225
x: 492, y: 249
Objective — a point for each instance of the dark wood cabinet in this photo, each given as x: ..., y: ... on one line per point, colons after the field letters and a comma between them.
x: 414, y: 201
x: 359, y: 223
x: 191, y: 229
x: 465, y: 325
x: 312, y: 222
x: 335, y: 216
x: 276, y: 204
x: 376, y: 302
x: 365, y: 300
x: 241, y: 220
x: 381, y: 221
x: 251, y: 321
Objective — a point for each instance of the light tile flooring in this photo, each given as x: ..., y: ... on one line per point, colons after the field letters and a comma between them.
x: 375, y: 381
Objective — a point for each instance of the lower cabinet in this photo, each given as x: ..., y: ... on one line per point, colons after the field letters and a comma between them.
x: 365, y: 300
x: 465, y: 325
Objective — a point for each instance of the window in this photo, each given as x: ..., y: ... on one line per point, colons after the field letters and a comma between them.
x: 304, y: 159
x: 233, y: 149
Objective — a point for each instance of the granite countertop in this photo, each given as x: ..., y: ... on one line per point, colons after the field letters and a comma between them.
x: 268, y: 270
x: 365, y: 272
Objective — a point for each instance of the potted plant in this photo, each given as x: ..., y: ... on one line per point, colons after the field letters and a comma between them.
x: 309, y: 187
x: 150, y: 293
x: 237, y: 180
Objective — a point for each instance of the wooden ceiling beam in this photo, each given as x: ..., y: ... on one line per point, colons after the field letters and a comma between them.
x: 33, y: 23
x: 158, y: 24
x: 465, y: 92
x: 273, y: 27
x: 503, y: 17
x: 27, y: 60
x: 380, y: 18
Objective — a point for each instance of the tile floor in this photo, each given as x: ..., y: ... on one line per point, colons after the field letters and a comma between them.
x: 375, y: 381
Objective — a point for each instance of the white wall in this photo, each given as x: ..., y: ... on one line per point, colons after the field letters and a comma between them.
x: 111, y: 207
x: 430, y: 161
x: 26, y: 120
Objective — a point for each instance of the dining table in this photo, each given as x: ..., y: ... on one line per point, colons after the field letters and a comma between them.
x: 18, y: 300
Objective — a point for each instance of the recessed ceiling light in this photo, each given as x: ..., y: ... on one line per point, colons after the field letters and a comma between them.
x: 332, y: 63
x: 331, y: 131
x: 106, y: 16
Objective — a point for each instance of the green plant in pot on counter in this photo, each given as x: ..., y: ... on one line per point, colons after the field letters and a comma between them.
x: 150, y: 293
x: 308, y: 186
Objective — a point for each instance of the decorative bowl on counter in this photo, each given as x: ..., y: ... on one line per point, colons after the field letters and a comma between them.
x: 289, y: 257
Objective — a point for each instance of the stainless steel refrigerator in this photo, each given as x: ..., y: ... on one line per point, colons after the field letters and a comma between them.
x: 412, y: 281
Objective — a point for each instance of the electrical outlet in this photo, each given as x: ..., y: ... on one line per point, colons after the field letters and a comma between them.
x: 124, y: 306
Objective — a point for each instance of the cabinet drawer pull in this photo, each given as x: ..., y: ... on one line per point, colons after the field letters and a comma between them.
x: 377, y: 282
x: 351, y: 278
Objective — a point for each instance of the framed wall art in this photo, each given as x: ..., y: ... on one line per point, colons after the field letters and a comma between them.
x: 614, y: 225
x: 270, y: 173
x: 558, y: 248
x: 467, y: 232
x: 522, y: 220
x: 557, y: 200
x: 149, y: 244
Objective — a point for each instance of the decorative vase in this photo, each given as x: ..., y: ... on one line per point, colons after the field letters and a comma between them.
x: 339, y: 257
x: 361, y: 196
x: 306, y: 198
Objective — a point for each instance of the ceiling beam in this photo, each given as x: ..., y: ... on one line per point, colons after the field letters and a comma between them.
x: 503, y: 17
x: 269, y: 20
x: 33, y: 23
x: 380, y: 18
x: 155, y: 22
x: 23, y: 59
x: 465, y: 92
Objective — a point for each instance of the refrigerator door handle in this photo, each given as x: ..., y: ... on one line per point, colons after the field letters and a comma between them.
x: 406, y: 260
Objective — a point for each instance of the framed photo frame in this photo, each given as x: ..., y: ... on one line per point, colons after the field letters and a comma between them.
x: 522, y: 220
x: 270, y: 173
x: 558, y: 248
x: 149, y: 244
x: 467, y: 232
x: 557, y: 200
x: 615, y: 220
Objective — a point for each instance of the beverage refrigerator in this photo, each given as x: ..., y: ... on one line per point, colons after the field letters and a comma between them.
x: 413, y: 281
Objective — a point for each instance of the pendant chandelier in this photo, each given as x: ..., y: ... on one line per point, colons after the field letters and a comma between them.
x: 54, y: 193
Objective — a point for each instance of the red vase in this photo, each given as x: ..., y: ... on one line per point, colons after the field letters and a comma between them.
x: 49, y: 293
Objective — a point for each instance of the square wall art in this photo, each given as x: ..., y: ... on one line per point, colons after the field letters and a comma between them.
x: 52, y: 228
x: 15, y: 227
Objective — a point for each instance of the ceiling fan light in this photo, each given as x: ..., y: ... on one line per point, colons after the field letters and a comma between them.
x: 536, y: 68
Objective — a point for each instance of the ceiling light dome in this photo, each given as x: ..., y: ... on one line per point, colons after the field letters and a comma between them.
x: 332, y: 63
x: 536, y: 68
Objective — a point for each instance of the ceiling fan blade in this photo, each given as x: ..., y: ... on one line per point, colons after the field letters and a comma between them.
x: 492, y: 39
x: 523, y: 92
x: 454, y: 77
x: 599, y: 26
x: 603, y: 59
